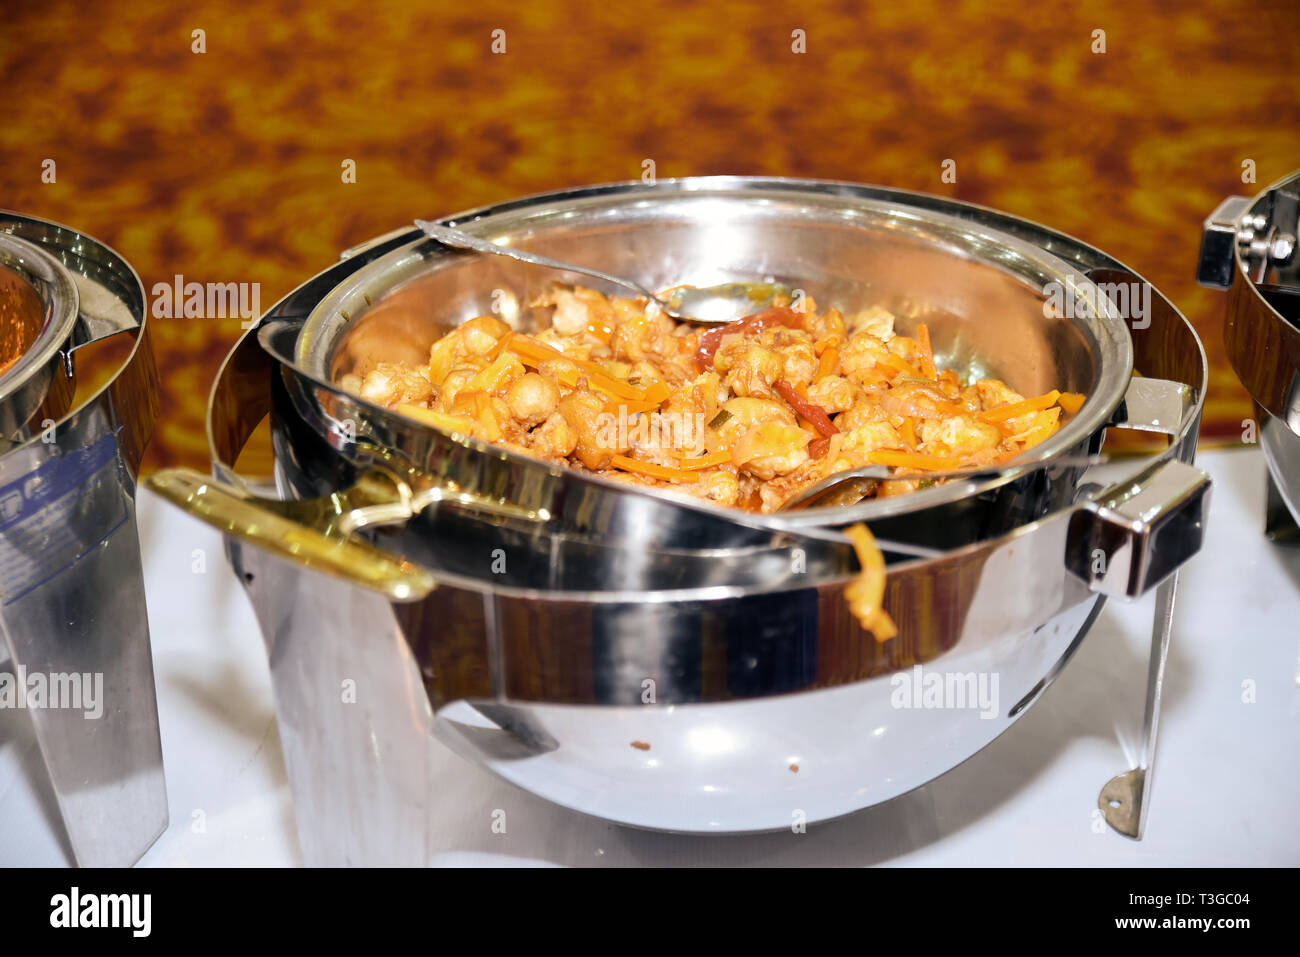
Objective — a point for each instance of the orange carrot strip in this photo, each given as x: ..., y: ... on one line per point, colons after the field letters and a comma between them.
x: 901, y: 365
x: 615, y: 387
x: 657, y: 393
x: 927, y: 351
x: 630, y: 406
x: 652, y: 470
x: 1037, y: 404
x: 529, y: 348
x: 708, y: 461
x: 1071, y: 402
x: 502, y: 344
x: 913, y: 460
x: 908, y: 431
x: 829, y: 363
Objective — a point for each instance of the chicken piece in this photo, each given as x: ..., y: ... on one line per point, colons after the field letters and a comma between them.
x: 770, y: 449
x: 958, y: 435
x: 554, y: 438
x: 474, y: 337
x: 860, y: 355
x: 597, y: 430
x: 576, y: 310
x: 871, y: 436
x: 532, y: 398
x: 459, y: 378
x: 747, y: 367
x: 744, y: 413
x: 654, y: 339
x: 721, y: 486
x: 389, y: 383
x: 795, y: 349
x: 834, y: 393
x: 1032, y: 427
x: 993, y: 393
x: 480, y: 334
x: 828, y: 328
x: 865, y: 410
x: 921, y: 399
x: 877, y: 322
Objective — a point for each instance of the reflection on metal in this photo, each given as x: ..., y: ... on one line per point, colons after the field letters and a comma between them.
x: 1136, y: 534
x: 71, y: 585
x: 312, y: 532
x: 1279, y: 524
x: 1261, y: 271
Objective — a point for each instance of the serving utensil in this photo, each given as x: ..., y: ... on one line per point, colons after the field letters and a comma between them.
x: 725, y: 302
x: 851, y: 486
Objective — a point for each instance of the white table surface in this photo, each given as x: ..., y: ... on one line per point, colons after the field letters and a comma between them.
x: 1227, y: 783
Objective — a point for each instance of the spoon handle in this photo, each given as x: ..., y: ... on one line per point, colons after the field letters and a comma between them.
x: 881, y: 473
x: 457, y: 239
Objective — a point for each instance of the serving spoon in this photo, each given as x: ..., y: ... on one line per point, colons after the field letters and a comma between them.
x: 725, y: 302
x: 852, y: 485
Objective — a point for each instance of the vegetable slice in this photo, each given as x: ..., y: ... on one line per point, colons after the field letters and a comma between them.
x: 1037, y: 404
x: 653, y: 471
x: 809, y: 410
x: 866, y: 594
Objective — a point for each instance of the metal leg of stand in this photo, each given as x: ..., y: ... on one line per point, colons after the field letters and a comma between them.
x: 1124, y: 799
x: 1279, y: 524
x: 83, y: 635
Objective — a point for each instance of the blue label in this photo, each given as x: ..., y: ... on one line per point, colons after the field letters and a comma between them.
x: 55, y: 514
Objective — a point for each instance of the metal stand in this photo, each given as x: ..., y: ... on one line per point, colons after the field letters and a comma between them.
x: 1279, y: 524
x: 1124, y: 799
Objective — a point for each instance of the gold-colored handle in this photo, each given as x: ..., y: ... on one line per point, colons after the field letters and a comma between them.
x: 309, y: 533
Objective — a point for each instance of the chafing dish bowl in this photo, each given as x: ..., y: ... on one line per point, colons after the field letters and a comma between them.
x: 648, y: 658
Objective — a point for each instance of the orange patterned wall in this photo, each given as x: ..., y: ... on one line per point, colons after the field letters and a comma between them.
x: 225, y: 166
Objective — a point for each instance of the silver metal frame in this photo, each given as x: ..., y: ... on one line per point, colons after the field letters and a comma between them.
x: 72, y: 590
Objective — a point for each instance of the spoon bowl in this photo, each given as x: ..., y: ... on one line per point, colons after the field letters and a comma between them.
x: 706, y: 305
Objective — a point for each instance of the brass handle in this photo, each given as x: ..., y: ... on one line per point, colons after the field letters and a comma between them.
x: 313, y: 533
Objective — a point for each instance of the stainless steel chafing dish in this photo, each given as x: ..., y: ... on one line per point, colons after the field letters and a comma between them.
x: 1249, y: 248
x: 71, y: 582
x: 540, y: 619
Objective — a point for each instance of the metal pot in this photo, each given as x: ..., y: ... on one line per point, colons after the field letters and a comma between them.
x: 603, y: 597
x: 71, y: 580
x: 1249, y: 248
x: 989, y: 313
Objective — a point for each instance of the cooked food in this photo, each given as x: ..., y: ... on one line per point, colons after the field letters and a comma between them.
x: 866, y: 594
x: 743, y: 414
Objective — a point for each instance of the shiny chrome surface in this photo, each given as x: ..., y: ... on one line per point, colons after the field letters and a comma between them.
x: 725, y: 302
x: 40, y: 309
x: 1282, y: 451
x: 844, y: 488
x: 538, y: 668
x: 71, y: 585
x: 987, y: 315
x: 1253, y: 254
